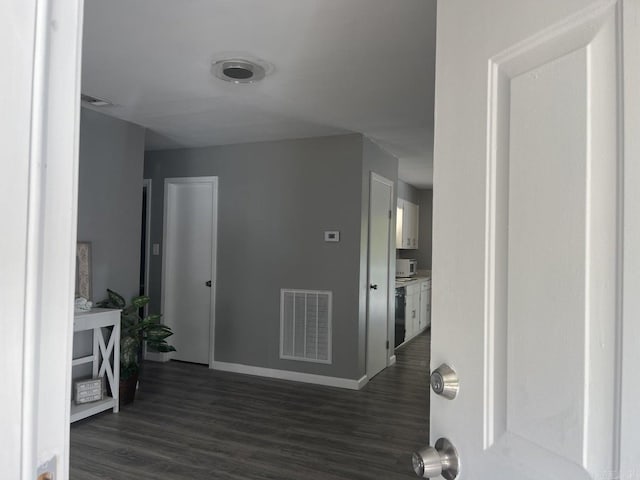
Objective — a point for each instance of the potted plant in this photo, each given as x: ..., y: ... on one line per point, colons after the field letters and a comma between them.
x: 134, y: 330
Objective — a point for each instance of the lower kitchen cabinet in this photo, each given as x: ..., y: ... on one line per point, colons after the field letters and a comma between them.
x: 425, y: 304
x: 417, y: 308
x: 412, y: 311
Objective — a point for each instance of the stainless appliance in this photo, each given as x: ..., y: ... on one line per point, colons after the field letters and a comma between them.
x: 406, y: 267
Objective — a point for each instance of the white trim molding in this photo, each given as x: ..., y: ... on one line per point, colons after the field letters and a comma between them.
x: 569, y: 35
x: 292, y: 376
x: 41, y: 48
x: 628, y: 388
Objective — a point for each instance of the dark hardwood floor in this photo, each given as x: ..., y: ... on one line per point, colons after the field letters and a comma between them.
x: 189, y: 422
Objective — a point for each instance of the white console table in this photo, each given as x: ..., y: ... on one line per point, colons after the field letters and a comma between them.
x: 97, y: 319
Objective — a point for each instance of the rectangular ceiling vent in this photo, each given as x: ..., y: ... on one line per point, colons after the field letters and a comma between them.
x: 305, y: 325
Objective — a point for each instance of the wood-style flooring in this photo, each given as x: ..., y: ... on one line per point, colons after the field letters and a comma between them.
x: 189, y: 422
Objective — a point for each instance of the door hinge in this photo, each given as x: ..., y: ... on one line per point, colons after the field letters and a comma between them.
x: 387, y: 344
x: 390, y: 214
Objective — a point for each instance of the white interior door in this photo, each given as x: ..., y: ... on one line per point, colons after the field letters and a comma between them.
x: 189, y: 266
x: 528, y: 229
x: 380, y: 207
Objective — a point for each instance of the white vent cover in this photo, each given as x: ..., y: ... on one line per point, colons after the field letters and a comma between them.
x: 305, y: 325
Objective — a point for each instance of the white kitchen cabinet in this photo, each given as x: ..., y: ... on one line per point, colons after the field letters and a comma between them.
x: 399, y: 223
x: 425, y: 304
x: 407, y: 225
x: 412, y: 311
x: 414, y: 315
x: 412, y: 224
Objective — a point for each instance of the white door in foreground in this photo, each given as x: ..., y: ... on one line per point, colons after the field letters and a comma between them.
x: 527, y: 241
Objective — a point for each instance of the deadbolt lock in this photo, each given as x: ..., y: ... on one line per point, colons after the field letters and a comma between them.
x: 444, y: 382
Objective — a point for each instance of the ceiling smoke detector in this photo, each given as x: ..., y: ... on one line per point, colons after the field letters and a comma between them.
x: 238, y: 70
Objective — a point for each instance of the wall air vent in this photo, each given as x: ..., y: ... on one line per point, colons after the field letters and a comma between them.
x: 95, y: 101
x: 305, y: 325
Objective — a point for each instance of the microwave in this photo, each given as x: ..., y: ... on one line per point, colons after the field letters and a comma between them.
x: 406, y: 267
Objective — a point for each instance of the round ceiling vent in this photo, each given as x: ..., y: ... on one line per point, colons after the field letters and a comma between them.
x: 238, y: 70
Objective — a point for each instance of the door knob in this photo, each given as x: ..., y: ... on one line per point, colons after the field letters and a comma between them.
x: 444, y: 381
x: 430, y: 462
x: 373, y: 286
x: 208, y: 283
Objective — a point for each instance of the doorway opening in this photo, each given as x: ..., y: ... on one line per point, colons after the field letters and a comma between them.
x: 145, y: 238
x: 386, y: 335
x: 413, y: 282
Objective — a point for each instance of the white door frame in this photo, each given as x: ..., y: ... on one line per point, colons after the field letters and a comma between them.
x: 41, y: 48
x: 214, y: 252
x: 390, y: 272
x: 628, y: 393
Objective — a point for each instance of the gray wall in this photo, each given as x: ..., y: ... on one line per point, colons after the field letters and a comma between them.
x: 275, y: 201
x: 425, y: 232
x: 110, y: 200
x: 377, y: 160
x: 109, y: 208
x: 408, y: 192
x: 424, y: 200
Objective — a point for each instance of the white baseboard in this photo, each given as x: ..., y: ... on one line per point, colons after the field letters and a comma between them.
x: 363, y: 381
x: 293, y: 376
x: 392, y: 360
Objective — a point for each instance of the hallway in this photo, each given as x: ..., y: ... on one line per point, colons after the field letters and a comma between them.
x: 190, y: 422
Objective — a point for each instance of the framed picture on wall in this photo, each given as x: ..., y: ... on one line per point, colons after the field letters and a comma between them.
x: 83, y: 270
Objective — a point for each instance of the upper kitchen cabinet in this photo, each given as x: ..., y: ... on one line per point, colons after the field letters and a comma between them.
x: 407, y: 225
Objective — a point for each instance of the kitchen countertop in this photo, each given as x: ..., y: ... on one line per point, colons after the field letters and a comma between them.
x: 411, y: 280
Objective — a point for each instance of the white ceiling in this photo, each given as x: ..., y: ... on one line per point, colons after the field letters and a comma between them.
x: 340, y: 66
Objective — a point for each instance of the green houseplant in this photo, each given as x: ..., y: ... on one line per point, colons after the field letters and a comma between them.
x: 134, y: 330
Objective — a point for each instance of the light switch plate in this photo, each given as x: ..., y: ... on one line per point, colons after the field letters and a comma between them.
x: 156, y: 249
x: 332, y: 236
